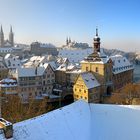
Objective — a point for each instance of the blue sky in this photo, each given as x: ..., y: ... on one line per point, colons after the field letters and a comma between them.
x: 53, y: 20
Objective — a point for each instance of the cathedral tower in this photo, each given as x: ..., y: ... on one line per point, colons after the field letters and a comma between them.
x: 67, y: 41
x: 1, y: 37
x: 11, y: 37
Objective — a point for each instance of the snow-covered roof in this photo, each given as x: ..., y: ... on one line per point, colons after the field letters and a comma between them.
x: 37, y: 58
x: 7, y: 56
x: 89, y: 80
x: 138, y: 57
x: 24, y: 60
x: 65, y: 67
x: 76, y: 71
x: 120, y: 64
x: 103, y: 60
x: 99, y: 58
x: 12, y: 62
x: 8, y: 82
x: 53, y: 65
x: 35, y: 61
x: 8, y: 86
x: 30, y: 72
x: 62, y: 60
x: 82, y: 121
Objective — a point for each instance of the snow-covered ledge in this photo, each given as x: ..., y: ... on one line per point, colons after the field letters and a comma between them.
x: 82, y: 121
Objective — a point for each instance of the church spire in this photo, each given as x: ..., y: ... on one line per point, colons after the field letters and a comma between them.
x: 11, y: 36
x: 11, y: 31
x: 1, y: 30
x: 69, y: 40
x: 1, y: 37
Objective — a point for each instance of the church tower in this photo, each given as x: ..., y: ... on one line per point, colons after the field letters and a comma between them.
x: 11, y: 37
x: 67, y: 41
x: 96, y: 42
x: 1, y: 37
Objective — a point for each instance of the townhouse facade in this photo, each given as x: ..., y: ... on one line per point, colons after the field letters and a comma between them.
x: 34, y: 82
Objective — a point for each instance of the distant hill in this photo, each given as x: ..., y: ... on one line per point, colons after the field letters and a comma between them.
x: 111, y: 52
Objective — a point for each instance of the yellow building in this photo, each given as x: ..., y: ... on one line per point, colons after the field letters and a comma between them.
x: 111, y: 72
x: 87, y: 88
x: 100, y: 65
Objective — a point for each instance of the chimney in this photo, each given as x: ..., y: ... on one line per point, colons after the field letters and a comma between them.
x: 7, y: 128
x: 36, y: 71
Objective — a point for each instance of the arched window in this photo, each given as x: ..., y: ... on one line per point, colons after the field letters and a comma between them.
x: 97, y: 70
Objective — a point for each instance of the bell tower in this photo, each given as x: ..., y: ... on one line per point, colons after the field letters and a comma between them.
x: 96, y: 42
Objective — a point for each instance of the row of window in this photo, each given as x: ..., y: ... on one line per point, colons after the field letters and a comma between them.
x: 8, y: 88
x: 25, y: 89
x: 29, y: 84
x: 32, y: 89
x: 122, y: 68
x: 5, y: 51
x: 48, y: 82
x: 96, y: 69
x: 13, y: 65
x: 80, y: 97
x: 33, y: 78
x: 80, y: 90
x: 48, y: 76
x: 27, y: 78
x: 2, y: 67
x: 85, y: 91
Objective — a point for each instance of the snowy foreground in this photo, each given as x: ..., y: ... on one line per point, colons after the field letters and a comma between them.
x: 82, y: 121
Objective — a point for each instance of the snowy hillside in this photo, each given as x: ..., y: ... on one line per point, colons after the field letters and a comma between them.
x: 82, y: 121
